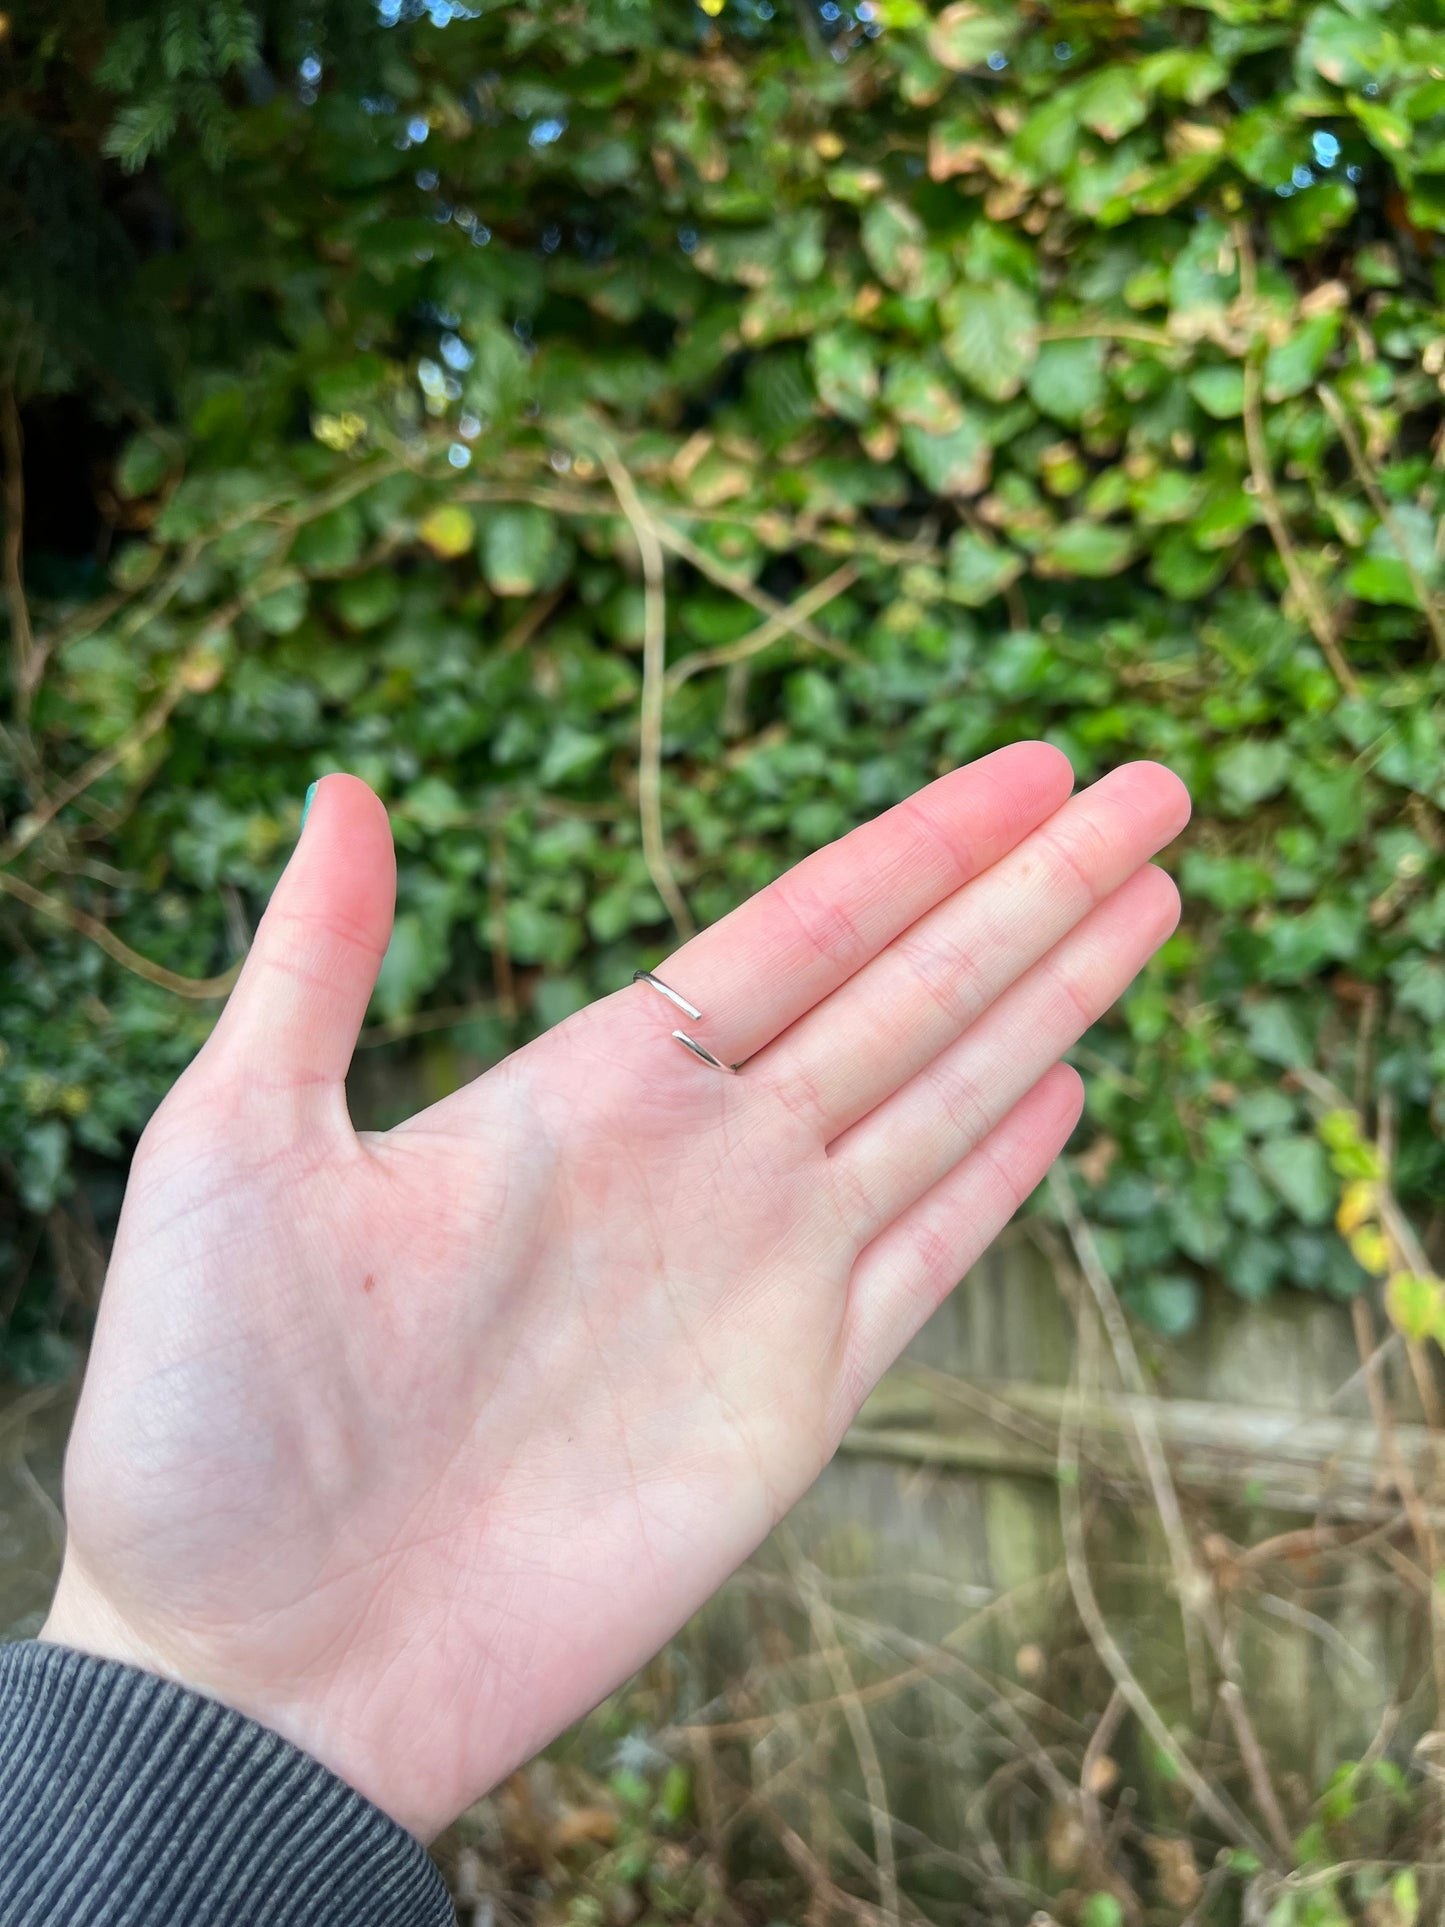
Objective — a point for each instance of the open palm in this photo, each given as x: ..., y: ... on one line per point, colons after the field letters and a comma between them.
x: 413, y: 1445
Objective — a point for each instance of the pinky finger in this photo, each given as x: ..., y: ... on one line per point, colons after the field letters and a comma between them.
x: 902, y: 1277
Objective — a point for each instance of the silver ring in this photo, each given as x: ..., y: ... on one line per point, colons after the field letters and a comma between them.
x: 688, y: 1010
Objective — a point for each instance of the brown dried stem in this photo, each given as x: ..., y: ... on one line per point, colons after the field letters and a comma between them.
x: 1305, y: 590
x: 788, y: 620
x: 845, y: 1687
x: 1370, y: 482
x: 22, y: 636
x: 86, y: 925
x: 1211, y: 1801
x: 647, y: 535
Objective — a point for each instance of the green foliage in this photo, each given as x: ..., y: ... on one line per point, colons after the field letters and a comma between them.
x: 1108, y: 353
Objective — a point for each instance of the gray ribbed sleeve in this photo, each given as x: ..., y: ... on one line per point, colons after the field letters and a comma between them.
x: 127, y: 1801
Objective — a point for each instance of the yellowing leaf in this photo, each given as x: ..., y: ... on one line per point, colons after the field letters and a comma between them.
x: 1370, y: 1250
x: 341, y: 432
x: 1415, y: 1304
x: 448, y: 531
x: 1358, y: 1205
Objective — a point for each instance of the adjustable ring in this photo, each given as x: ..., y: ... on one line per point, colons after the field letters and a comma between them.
x: 688, y: 1010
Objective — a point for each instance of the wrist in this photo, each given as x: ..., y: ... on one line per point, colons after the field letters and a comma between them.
x: 85, y: 1619
x: 82, y: 1618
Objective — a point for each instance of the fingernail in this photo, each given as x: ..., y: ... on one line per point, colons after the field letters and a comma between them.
x: 306, y: 806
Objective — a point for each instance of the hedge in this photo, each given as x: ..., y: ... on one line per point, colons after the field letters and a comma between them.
x: 1064, y: 370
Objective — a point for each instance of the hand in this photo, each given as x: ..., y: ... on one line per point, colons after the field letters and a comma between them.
x: 413, y: 1445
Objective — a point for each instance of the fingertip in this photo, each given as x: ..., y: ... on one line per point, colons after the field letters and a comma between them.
x: 1032, y: 779
x: 1169, y: 787
x: 1155, y: 897
x: 1043, y: 765
x: 1066, y: 1089
x: 303, y: 991
x: 346, y: 842
x: 342, y: 804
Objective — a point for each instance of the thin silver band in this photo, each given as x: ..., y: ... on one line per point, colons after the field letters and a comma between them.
x: 688, y: 1010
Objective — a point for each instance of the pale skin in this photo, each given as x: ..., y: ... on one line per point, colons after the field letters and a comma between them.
x: 413, y: 1445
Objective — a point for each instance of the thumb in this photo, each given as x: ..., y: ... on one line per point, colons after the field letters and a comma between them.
x: 294, y: 1015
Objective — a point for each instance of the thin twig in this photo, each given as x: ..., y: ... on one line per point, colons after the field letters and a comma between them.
x: 734, y: 720
x: 940, y: 1659
x: 1405, y: 1485
x: 1252, y: 1754
x: 85, y: 925
x: 22, y: 636
x: 1197, y: 1593
x: 739, y: 585
x: 1305, y: 590
x: 787, y: 622
x: 1103, y: 329
x: 284, y: 511
x: 1369, y: 481
x: 646, y: 534
x: 820, y: 1614
x: 533, y: 618
x: 1094, y: 1752
x: 1191, y: 1583
x: 100, y: 765
x: 497, y: 910
x: 1217, y: 1805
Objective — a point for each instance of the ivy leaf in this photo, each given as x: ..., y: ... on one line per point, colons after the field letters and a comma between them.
x: 979, y: 568
x: 1311, y: 215
x: 1380, y: 576
x: 1184, y: 73
x: 1276, y: 1034
x: 1420, y: 986
x: 1299, y: 1170
x: 42, y: 1164
x: 1182, y: 569
x: 955, y: 464
x: 414, y: 960
x: 1087, y: 549
x: 281, y: 611
x: 1294, y: 365
x: 1382, y: 579
x: 896, y: 243
x: 1254, y: 1265
x: 1345, y: 50
x: 1390, y: 132
x: 331, y: 542
x: 518, y: 546
x: 916, y: 393
x: 1171, y: 1302
x: 1112, y: 102
x: 571, y: 753
x: 845, y: 368
x: 143, y: 465
x: 1219, y: 392
x: 1067, y: 380
x: 991, y: 336
x: 964, y: 35
x: 1250, y: 771
x: 363, y: 601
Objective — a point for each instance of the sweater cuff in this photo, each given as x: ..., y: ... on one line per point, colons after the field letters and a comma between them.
x: 129, y: 1801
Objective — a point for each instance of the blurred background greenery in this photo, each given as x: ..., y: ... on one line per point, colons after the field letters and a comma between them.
x: 644, y: 439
